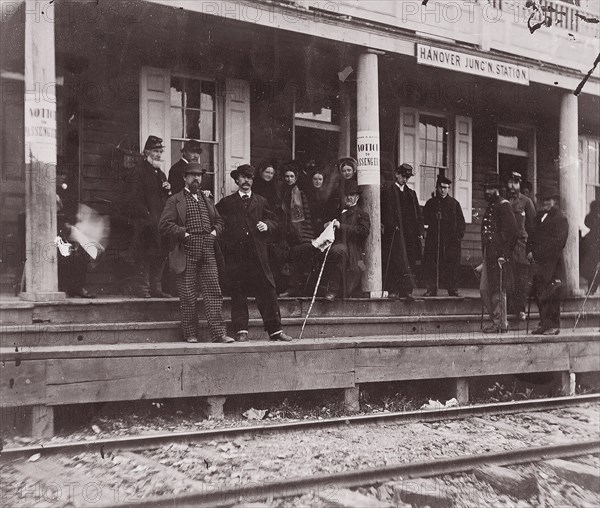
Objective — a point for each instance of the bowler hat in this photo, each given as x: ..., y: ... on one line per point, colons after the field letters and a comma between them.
x: 441, y: 179
x: 549, y: 192
x: 351, y: 187
x: 192, y: 146
x: 405, y: 170
x: 515, y: 176
x: 193, y: 168
x: 244, y: 170
x: 491, y: 180
x: 153, y: 143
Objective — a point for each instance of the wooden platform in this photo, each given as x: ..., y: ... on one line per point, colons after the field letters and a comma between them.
x: 65, y: 361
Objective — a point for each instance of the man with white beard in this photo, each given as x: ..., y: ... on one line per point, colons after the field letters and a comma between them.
x: 150, y: 195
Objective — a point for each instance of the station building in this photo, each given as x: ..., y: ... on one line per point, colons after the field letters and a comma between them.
x: 455, y: 88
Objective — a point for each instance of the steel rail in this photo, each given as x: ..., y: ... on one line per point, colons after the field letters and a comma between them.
x: 327, y: 484
x: 145, y: 442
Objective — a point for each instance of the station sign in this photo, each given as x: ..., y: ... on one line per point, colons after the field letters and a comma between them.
x: 471, y: 64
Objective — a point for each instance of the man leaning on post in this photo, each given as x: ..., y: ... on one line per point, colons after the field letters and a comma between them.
x: 191, y: 223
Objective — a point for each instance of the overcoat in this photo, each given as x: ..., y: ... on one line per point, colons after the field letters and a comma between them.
x: 355, y: 226
x: 234, y: 215
x: 172, y: 228
x: 451, y: 227
x: 498, y: 238
x: 547, y: 243
x: 150, y: 198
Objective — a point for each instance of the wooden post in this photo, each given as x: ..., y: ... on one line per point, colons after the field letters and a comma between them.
x: 569, y: 179
x: 462, y: 390
x: 567, y: 384
x: 214, y: 407
x: 41, y: 270
x: 351, y: 399
x: 367, y: 153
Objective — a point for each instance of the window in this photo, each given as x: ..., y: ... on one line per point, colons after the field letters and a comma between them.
x: 589, y: 161
x: 433, y: 152
x: 194, y: 116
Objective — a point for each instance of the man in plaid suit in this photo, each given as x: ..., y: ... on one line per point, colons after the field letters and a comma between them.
x: 191, y: 222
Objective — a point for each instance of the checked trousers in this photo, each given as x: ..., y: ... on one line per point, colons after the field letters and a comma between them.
x: 200, y: 268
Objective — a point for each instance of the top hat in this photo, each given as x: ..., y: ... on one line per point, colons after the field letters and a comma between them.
x: 405, y: 170
x: 244, y: 170
x: 193, y: 168
x: 351, y: 187
x: 347, y: 161
x: 548, y: 192
x: 515, y: 176
x: 491, y: 180
x: 153, y: 143
x: 442, y: 179
x: 192, y: 146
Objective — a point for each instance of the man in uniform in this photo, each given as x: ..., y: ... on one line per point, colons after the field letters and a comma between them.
x: 150, y: 195
x: 545, y: 251
x: 345, y: 261
x: 445, y: 229
x: 248, y: 219
x: 498, y: 237
x: 403, y: 231
x: 524, y: 213
x: 190, y: 152
x: 191, y: 223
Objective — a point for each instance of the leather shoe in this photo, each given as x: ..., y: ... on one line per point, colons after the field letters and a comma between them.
x: 551, y: 331
x: 538, y: 331
x: 430, y: 293
x: 192, y: 340
x: 492, y: 328
x: 241, y: 336
x: 452, y: 293
x: 281, y: 337
x: 224, y: 340
x: 84, y: 293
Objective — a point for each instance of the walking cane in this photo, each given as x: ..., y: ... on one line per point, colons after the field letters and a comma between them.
x: 529, y: 298
x: 387, y: 266
x: 589, y: 292
x: 312, y: 302
x: 501, y: 262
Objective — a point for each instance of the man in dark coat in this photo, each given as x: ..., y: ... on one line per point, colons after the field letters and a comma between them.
x: 498, y: 237
x: 445, y: 223
x: 190, y: 152
x: 248, y: 219
x: 345, y: 261
x: 402, y: 234
x: 545, y: 251
x: 524, y: 212
x: 151, y: 192
x: 192, y: 224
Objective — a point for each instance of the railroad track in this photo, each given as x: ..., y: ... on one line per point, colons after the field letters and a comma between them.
x: 137, y: 443
x: 211, y: 493
x: 329, y: 483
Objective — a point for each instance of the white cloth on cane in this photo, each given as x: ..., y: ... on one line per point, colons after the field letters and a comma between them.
x: 325, y: 239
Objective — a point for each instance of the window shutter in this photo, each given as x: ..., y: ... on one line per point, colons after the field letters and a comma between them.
x: 463, y: 165
x: 155, y: 85
x: 408, y: 145
x: 237, y: 129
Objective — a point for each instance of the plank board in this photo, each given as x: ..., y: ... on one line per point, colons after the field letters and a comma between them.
x: 111, y: 379
x: 404, y: 363
x: 22, y: 382
x: 585, y: 356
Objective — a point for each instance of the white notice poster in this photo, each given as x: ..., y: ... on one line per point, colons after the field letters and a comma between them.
x: 367, y: 151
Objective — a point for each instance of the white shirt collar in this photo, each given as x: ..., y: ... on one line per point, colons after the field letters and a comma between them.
x: 185, y: 160
x: 242, y: 194
x: 401, y: 187
x: 195, y: 196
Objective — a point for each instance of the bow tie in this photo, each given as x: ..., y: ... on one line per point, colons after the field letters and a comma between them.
x: 245, y: 197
